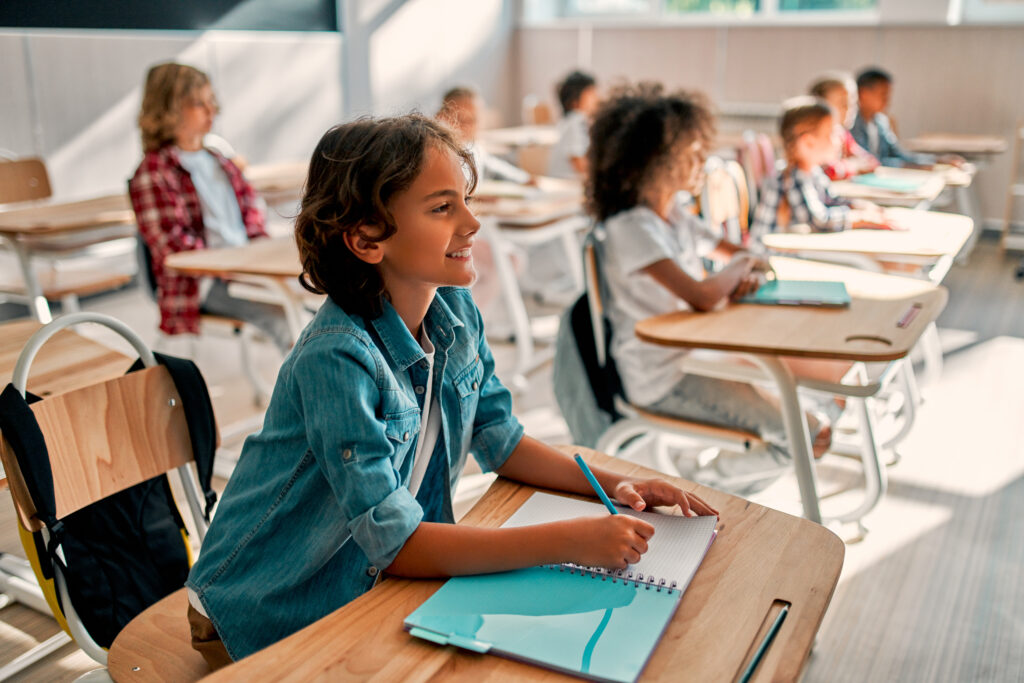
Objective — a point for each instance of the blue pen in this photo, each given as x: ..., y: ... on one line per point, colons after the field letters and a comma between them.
x: 593, y: 482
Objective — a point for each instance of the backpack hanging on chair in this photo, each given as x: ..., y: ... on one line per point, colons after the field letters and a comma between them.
x: 102, y: 563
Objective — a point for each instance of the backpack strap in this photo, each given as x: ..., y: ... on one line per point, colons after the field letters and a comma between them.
x: 202, y: 427
x: 21, y: 431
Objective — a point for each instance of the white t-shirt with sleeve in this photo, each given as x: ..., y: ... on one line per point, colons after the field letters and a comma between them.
x: 222, y: 217
x: 573, y: 141
x: 430, y: 421
x: 635, y: 239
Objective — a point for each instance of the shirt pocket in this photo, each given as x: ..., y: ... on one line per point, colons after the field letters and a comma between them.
x: 467, y: 386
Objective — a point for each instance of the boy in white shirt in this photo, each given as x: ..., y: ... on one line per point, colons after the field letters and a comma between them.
x: 578, y: 95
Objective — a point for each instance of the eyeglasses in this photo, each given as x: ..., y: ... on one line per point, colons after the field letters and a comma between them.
x: 212, y: 104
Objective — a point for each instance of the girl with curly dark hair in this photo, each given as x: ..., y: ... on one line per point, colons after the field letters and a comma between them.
x: 646, y: 159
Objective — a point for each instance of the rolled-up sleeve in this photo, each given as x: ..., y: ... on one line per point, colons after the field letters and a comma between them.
x: 350, y: 444
x: 496, y: 431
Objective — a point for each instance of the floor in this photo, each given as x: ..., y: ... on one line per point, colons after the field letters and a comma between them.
x: 932, y: 593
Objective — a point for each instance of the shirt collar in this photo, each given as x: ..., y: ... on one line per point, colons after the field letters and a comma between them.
x: 398, y: 340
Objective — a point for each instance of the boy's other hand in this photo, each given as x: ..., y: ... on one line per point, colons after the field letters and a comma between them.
x: 641, y: 494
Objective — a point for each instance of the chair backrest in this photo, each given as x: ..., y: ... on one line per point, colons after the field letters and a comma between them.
x: 144, y: 259
x: 105, y: 438
x: 595, y: 301
x: 720, y: 200
x: 750, y: 158
x: 23, y: 180
x: 739, y: 177
x: 767, y: 150
x: 536, y: 112
x: 534, y: 159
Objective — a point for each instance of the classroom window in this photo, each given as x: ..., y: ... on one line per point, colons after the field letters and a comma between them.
x: 608, y: 7
x: 818, y: 5
x: 736, y: 7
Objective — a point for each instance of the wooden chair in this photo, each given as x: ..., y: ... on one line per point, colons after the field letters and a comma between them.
x: 24, y: 180
x: 102, y: 439
x: 725, y: 201
x: 536, y: 112
x: 534, y: 159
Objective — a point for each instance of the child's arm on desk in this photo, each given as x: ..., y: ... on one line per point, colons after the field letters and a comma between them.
x: 605, y: 541
x: 705, y: 294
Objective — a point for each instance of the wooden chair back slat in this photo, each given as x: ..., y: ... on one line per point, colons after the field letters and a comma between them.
x: 105, y: 438
x: 23, y: 180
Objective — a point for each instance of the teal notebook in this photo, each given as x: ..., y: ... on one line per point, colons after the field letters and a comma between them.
x: 587, y: 621
x: 882, y: 182
x: 800, y: 293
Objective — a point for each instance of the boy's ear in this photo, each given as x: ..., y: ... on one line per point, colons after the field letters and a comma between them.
x: 364, y: 249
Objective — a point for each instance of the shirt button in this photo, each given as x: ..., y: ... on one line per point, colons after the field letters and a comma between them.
x: 372, y: 571
x: 347, y: 454
x: 405, y: 437
x: 476, y: 385
x: 420, y: 390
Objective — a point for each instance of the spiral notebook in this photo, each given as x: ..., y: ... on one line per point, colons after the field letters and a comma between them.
x: 587, y: 621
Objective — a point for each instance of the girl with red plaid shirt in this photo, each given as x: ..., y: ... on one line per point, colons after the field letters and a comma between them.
x: 187, y: 196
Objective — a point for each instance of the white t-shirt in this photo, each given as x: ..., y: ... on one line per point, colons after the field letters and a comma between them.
x: 635, y: 239
x: 573, y: 141
x: 222, y: 216
x: 430, y: 421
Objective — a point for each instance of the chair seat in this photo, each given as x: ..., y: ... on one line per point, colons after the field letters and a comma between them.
x: 157, y: 645
x: 57, y: 284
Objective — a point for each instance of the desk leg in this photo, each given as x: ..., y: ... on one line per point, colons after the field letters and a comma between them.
x: 290, y: 302
x: 513, y: 301
x: 797, y: 433
x: 37, y: 303
x: 967, y: 203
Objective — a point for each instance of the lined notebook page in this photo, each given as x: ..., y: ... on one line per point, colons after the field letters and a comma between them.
x: 674, y: 552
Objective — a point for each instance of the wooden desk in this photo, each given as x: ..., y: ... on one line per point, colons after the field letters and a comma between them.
x: 269, y: 263
x: 760, y: 556
x: 519, y: 136
x: 869, y: 330
x: 67, y: 361
x: 958, y: 143
x: 928, y: 236
x: 931, y: 187
x: 278, y: 182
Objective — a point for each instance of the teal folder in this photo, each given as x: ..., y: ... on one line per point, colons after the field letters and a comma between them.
x: 800, y: 293
x: 585, y: 621
x: 882, y: 182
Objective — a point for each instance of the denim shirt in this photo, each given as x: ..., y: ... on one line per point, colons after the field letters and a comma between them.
x: 888, y: 150
x: 318, y: 503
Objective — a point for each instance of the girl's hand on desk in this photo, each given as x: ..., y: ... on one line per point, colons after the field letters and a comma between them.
x: 644, y: 493
x: 610, y: 541
x: 747, y: 285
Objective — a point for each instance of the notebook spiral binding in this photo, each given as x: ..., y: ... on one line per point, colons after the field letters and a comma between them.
x: 648, y: 582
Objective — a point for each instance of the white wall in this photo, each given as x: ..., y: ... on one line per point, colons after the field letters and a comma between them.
x: 72, y: 97
x: 957, y: 79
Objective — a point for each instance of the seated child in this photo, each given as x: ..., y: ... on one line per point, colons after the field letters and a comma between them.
x: 873, y: 131
x: 577, y: 94
x: 461, y: 108
x: 647, y: 149
x: 187, y: 195
x: 385, y: 394
x: 799, y: 194
x: 853, y: 159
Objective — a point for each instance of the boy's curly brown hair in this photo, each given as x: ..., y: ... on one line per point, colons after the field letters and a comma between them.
x: 356, y: 170
x: 636, y: 132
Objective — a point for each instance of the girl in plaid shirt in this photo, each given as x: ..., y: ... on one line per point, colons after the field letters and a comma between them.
x: 186, y: 197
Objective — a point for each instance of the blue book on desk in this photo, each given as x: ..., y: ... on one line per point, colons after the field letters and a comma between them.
x: 586, y: 621
x: 881, y: 182
x: 800, y: 293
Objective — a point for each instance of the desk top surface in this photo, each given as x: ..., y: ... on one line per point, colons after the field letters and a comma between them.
x: 277, y: 180
x: 273, y: 257
x: 931, y: 185
x: 520, y: 136
x: 958, y: 143
x: 886, y: 316
x: 760, y: 556
x: 928, y: 234
x: 67, y: 361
